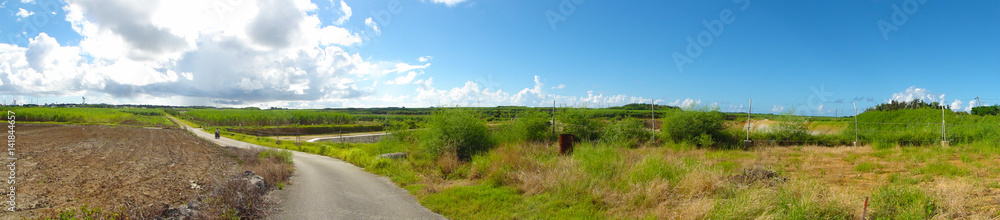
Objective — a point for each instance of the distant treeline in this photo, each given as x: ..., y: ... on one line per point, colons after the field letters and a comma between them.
x: 897, y: 105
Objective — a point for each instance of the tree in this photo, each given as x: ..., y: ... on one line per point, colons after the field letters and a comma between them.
x: 986, y: 110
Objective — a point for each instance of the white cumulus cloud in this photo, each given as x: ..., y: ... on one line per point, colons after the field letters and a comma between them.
x: 404, y: 79
x: 686, y: 103
x: 24, y: 13
x: 424, y: 59
x: 915, y: 93
x: 374, y: 26
x: 777, y: 109
x: 404, y: 67
x: 214, y: 50
x: 345, y: 13
x: 449, y: 3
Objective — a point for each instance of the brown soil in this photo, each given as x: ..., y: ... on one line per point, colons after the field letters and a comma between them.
x: 115, y: 168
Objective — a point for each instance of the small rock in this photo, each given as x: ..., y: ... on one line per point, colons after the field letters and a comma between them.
x: 194, y: 185
x: 253, y: 180
x: 186, y: 211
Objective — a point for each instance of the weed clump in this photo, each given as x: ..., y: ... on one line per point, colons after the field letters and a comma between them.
x: 704, y: 128
x: 529, y: 125
x: 628, y: 132
x: 901, y: 202
x: 457, y: 129
x: 581, y: 123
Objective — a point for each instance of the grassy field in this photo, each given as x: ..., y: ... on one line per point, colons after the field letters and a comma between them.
x: 465, y: 166
x: 623, y: 175
x: 517, y: 181
x: 95, y: 116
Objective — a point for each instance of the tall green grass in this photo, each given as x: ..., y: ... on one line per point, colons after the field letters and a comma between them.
x: 923, y: 127
x: 901, y: 202
x: 257, y: 117
x: 104, y: 116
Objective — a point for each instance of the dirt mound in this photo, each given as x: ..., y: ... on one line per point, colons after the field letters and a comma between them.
x: 63, y: 167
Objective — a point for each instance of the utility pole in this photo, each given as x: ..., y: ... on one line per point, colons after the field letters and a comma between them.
x: 855, y: 123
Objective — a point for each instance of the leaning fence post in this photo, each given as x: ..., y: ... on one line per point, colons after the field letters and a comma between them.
x: 864, y: 213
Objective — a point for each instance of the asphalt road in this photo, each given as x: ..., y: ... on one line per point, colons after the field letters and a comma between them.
x: 328, y: 188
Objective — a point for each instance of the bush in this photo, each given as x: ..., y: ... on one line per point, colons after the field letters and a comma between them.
x: 581, y: 123
x: 628, y: 132
x: 529, y: 125
x: 704, y: 128
x: 986, y: 110
x: 457, y: 129
x: 791, y: 131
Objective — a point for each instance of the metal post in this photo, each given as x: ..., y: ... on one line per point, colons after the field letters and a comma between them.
x: 855, y: 123
x: 747, y: 143
x: 864, y: 214
x: 944, y: 134
x: 553, y: 118
x: 341, y: 132
x: 652, y: 112
x: 749, y: 109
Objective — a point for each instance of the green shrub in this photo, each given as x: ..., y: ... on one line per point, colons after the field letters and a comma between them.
x: 355, y: 156
x: 986, y: 110
x: 794, y: 131
x: 528, y: 125
x: 457, y: 129
x: 628, y: 132
x: 704, y: 128
x: 581, y: 123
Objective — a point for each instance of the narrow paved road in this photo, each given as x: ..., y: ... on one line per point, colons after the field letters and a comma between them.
x: 328, y: 188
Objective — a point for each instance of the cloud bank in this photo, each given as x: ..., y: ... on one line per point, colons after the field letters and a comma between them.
x: 240, y: 53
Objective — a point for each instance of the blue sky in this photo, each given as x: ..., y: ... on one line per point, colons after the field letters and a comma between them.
x: 815, y: 57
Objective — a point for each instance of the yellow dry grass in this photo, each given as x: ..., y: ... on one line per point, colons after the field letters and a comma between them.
x: 813, y: 175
